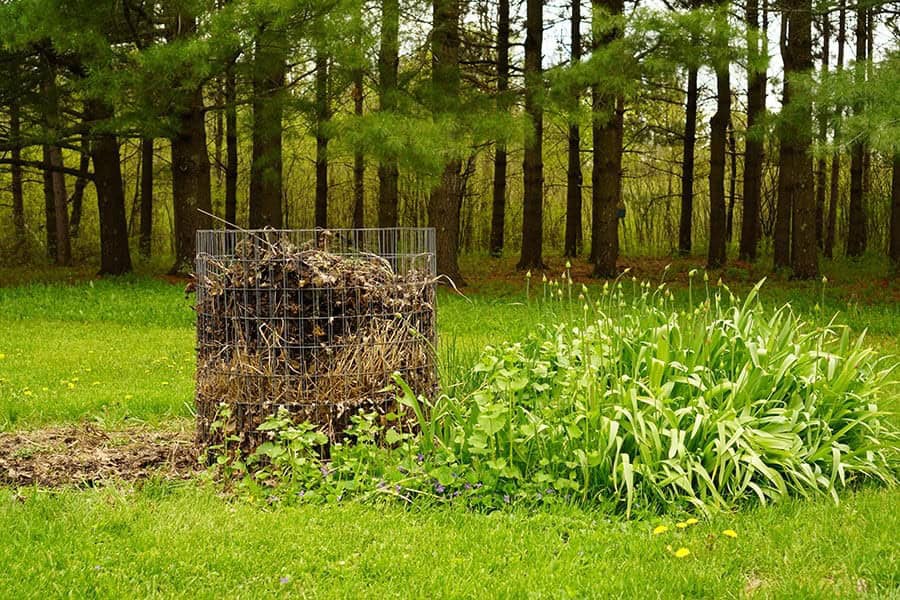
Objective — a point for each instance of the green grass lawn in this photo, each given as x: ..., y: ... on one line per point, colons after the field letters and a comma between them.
x: 187, y: 541
x: 116, y: 352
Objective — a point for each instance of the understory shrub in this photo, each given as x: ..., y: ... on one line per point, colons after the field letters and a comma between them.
x: 631, y: 404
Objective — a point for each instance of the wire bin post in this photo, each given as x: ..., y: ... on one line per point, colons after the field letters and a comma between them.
x: 312, y: 321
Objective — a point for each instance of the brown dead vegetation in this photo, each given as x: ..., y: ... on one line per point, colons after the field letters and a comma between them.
x: 87, y: 456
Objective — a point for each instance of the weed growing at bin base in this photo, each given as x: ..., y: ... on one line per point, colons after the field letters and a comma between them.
x: 632, y: 405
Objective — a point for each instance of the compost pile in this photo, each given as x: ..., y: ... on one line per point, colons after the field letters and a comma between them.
x: 312, y: 331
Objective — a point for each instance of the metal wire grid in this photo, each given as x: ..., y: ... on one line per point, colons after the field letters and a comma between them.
x: 313, y: 321
x: 405, y: 248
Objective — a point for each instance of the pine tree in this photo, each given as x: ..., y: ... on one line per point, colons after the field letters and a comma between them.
x: 146, y: 234
x: 231, y: 146
x: 533, y: 160
x: 388, y: 66
x: 359, y: 160
x: 687, y: 163
x: 498, y: 205
x: 753, y: 151
x: 717, y: 141
x: 795, y: 137
x: 837, y: 111
x: 57, y: 208
x: 606, y: 129
x: 446, y: 198
x: 190, y: 180
x: 894, y: 243
x: 573, y: 172
x: 857, y: 236
x: 76, y: 198
x: 267, y: 103
x: 323, y: 114
x: 18, y: 196
x: 823, y: 117
x: 115, y: 258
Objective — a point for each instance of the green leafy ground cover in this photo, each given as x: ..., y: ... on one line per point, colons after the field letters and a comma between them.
x: 115, y: 352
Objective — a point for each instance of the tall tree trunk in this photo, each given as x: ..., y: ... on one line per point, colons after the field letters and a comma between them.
x: 134, y: 217
x: 834, y: 198
x: 753, y: 151
x: 146, y: 234
x: 190, y: 182
x: 781, y: 249
x: 498, y: 207
x: 322, y: 116
x: 867, y: 151
x: 606, y: 130
x: 573, y: 174
x: 49, y: 202
x: 388, y: 66
x: 796, y: 138
x: 821, y: 193
x: 54, y: 160
x: 266, y: 154
x: 219, y: 131
x: 687, y: 165
x: 446, y: 198
x: 717, y: 140
x: 60, y: 208
x: 732, y: 181
x: 115, y: 258
x: 359, y: 161
x: 533, y: 161
x: 231, y: 148
x: 857, y: 236
x: 76, y: 200
x: 831, y: 223
x: 894, y: 246
x: 787, y: 179
x: 822, y: 164
x: 18, y: 196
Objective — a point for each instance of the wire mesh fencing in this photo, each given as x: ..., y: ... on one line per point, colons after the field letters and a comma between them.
x: 312, y: 321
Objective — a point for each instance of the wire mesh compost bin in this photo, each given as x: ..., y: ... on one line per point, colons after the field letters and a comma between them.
x: 314, y: 321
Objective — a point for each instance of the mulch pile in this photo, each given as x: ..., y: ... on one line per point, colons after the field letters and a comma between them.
x: 87, y: 456
x: 308, y: 330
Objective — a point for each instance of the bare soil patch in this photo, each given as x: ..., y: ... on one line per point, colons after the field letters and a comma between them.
x: 88, y: 456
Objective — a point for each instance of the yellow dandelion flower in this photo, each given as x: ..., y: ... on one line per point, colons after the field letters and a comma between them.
x: 660, y: 529
x: 71, y: 385
x: 692, y: 521
x: 28, y: 392
x: 681, y: 525
x: 682, y: 552
x: 2, y: 356
x: 128, y: 396
x: 730, y: 533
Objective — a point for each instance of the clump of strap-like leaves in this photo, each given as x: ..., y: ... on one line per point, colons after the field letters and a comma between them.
x: 640, y: 405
